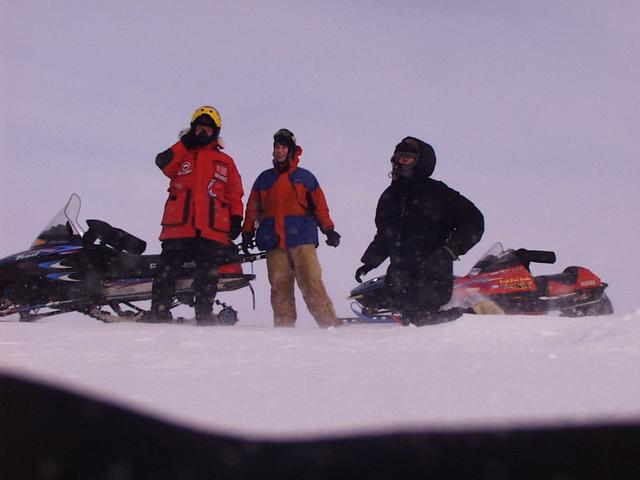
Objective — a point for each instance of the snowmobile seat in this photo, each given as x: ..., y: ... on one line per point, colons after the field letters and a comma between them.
x: 558, y: 283
x: 113, y: 237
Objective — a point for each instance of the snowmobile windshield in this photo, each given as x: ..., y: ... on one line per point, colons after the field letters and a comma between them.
x: 496, y: 258
x: 64, y: 226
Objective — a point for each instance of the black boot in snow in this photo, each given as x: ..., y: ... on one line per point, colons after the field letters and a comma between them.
x: 157, y: 315
x: 204, y: 313
x: 441, y: 316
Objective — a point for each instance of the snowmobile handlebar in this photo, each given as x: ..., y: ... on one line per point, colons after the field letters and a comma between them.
x: 252, y: 257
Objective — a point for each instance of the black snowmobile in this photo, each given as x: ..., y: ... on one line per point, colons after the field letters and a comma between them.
x: 99, y: 271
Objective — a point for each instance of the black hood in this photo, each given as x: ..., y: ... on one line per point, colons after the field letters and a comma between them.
x: 426, y: 163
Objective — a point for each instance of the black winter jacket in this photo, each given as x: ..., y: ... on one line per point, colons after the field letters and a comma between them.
x: 415, y: 217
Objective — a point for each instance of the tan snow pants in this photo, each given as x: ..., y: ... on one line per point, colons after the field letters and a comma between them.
x: 300, y: 264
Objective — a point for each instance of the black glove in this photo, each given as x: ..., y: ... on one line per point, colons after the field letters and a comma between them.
x: 189, y: 139
x: 362, y: 270
x: 247, y: 241
x: 236, y: 227
x: 333, y: 238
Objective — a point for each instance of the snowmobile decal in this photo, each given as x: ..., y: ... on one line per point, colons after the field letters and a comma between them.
x: 65, y: 277
x: 54, y: 264
x: 39, y: 252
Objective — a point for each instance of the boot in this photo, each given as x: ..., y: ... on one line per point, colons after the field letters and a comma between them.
x: 157, y: 314
x: 204, y: 313
x: 441, y: 316
x: 420, y: 319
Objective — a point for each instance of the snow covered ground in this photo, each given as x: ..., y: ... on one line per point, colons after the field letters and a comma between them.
x: 257, y: 381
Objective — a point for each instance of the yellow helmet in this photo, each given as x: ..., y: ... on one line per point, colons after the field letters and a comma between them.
x: 210, y: 112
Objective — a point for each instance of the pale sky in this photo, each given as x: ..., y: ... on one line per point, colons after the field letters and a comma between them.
x: 532, y: 108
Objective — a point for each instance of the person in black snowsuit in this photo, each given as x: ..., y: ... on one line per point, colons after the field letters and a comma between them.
x: 422, y: 227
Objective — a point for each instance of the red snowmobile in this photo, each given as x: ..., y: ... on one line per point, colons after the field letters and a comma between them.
x: 501, y: 282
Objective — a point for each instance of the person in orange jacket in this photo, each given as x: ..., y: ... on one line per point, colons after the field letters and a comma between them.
x: 286, y: 206
x: 202, y: 215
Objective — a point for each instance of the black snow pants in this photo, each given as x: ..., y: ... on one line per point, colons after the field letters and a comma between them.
x: 185, y: 257
x: 420, y: 286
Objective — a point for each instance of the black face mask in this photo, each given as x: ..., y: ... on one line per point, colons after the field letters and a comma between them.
x: 403, y: 171
x: 203, y: 139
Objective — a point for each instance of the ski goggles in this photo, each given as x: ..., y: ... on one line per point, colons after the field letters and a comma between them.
x: 404, y: 158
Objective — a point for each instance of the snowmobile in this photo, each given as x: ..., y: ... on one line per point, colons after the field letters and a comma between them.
x: 100, y: 271
x: 501, y: 282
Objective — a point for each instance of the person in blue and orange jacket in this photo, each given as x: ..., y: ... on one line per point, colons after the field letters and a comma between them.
x: 287, y: 206
x: 202, y: 215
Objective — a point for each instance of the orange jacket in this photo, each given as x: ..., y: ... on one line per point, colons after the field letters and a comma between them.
x: 287, y: 208
x: 204, y: 193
